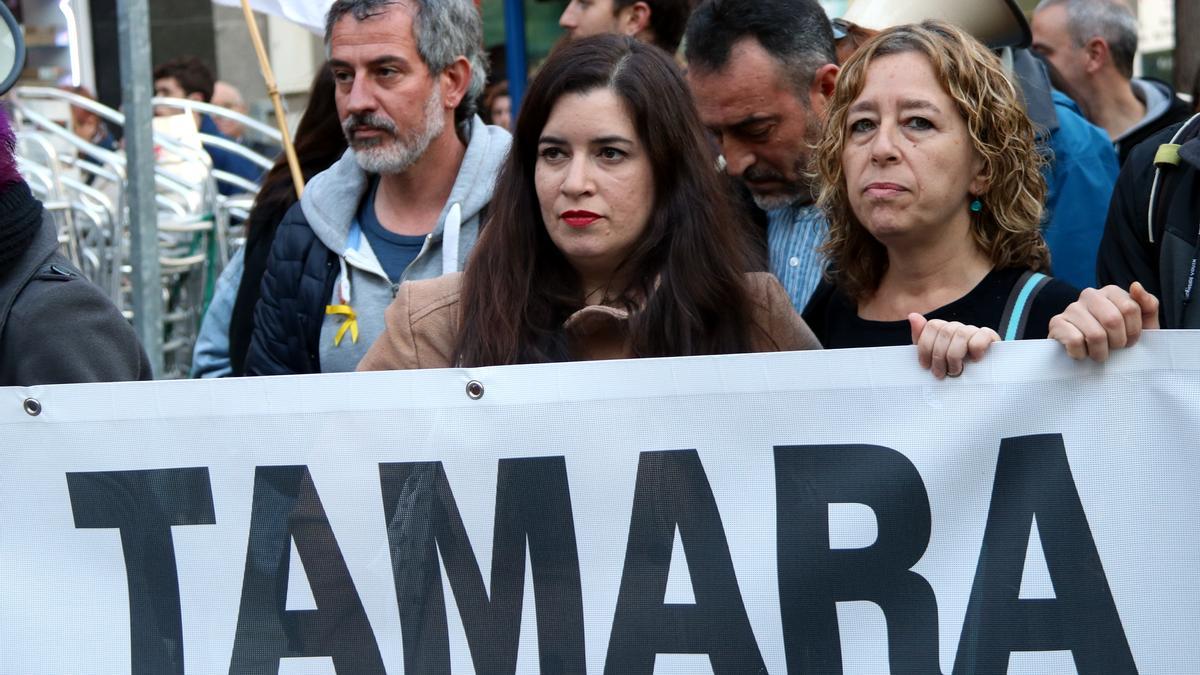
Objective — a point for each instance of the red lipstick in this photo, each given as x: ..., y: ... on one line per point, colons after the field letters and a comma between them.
x: 579, y: 219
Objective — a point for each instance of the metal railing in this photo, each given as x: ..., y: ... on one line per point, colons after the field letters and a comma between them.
x: 85, y: 188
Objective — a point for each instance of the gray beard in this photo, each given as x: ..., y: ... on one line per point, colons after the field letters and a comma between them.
x: 398, y: 155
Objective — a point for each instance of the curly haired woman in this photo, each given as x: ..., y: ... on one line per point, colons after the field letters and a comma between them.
x: 934, y: 195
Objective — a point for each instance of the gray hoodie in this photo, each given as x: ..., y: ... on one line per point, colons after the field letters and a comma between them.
x: 1156, y: 96
x: 330, y: 203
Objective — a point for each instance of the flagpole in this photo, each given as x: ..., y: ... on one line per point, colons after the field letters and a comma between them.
x: 273, y: 91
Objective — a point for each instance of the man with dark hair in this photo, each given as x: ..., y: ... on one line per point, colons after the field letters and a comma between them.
x: 189, y: 78
x: 186, y: 77
x: 405, y: 202
x: 1091, y: 44
x: 658, y: 22
x: 762, y: 72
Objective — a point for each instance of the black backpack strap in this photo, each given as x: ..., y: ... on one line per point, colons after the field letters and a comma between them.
x: 1020, y: 302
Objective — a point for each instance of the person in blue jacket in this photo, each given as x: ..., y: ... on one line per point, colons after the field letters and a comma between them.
x: 1080, y: 175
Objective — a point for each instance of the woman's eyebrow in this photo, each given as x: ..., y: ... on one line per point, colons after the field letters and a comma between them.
x: 608, y: 140
x: 862, y: 106
x: 918, y: 104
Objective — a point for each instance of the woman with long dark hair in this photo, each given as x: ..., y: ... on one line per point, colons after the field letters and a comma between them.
x: 319, y: 143
x: 610, y: 235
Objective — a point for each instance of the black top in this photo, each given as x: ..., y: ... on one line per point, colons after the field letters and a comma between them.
x: 834, y: 317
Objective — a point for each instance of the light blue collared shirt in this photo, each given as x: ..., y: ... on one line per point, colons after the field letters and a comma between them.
x: 794, y: 236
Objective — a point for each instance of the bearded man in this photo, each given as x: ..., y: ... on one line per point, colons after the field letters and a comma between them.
x: 407, y: 199
x: 762, y: 73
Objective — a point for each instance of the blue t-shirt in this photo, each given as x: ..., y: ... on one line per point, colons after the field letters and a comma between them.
x: 394, y: 251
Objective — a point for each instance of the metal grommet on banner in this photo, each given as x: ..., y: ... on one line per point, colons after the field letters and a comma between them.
x: 33, y: 407
x: 475, y: 390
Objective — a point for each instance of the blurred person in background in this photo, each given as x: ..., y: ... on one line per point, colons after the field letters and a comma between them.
x: 189, y: 78
x: 88, y: 125
x: 497, y: 105
x: 1092, y: 44
x: 227, y: 96
x: 657, y: 22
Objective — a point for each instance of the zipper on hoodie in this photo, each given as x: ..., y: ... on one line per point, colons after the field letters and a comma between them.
x: 357, y: 260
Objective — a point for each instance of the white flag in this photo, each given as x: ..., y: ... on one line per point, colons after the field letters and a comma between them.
x: 307, y: 13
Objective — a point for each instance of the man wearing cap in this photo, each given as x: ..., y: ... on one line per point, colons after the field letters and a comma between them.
x: 762, y: 73
x: 1081, y: 168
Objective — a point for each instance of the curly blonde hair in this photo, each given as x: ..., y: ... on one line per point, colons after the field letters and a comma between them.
x: 1007, y: 230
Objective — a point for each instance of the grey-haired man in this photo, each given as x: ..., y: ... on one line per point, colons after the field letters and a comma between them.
x: 407, y: 199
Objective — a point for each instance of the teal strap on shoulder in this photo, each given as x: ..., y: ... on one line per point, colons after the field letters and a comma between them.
x: 1021, y: 307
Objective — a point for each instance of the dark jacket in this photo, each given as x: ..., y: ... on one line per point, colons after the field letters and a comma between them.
x: 1164, y: 263
x: 260, y: 235
x: 227, y: 160
x: 56, y: 327
x: 296, y: 286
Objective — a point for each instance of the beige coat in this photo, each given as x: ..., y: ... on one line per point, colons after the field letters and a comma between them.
x: 422, y: 326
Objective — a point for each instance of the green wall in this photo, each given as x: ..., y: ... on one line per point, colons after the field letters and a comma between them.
x: 541, y: 25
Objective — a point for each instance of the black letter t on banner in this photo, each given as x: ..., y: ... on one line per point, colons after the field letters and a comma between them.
x: 144, y: 506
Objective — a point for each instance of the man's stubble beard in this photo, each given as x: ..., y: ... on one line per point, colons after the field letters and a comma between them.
x: 397, y: 154
x: 801, y: 191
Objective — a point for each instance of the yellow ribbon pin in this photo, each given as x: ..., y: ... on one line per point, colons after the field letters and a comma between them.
x: 350, y: 324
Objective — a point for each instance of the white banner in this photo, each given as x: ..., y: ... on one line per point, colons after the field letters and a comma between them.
x: 823, y: 512
x: 307, y: 13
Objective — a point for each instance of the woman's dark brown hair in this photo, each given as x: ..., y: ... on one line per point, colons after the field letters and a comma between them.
x: 319, y: 143
x: 687, y: 289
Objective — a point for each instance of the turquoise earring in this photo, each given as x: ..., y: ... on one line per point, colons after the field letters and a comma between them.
x: 976, y: 205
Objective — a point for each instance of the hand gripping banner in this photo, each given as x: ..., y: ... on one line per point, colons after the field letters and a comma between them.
x: 836, y: 512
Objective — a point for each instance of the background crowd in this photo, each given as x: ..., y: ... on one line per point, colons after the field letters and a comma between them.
x: 881, y: 179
